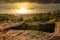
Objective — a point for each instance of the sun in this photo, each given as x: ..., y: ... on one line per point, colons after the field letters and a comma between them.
x: 22, y: 11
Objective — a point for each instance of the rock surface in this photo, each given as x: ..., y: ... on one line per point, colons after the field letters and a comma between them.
x: 25, y: 35
x: 28, y: 35
x: 12, y: 34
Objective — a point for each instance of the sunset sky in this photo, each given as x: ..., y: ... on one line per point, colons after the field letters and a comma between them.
x: 27, y: 6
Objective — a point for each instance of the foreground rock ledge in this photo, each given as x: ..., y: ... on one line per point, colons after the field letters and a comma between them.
x: 25, y: 35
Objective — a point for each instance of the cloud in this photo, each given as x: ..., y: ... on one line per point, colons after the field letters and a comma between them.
x: 36, y: 1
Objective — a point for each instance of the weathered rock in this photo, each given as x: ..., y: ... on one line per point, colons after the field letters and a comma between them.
x: 25, y: 35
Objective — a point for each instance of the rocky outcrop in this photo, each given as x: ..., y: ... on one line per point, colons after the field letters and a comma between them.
x: 30, y: 32
x: 25, y: 35
x: 57, y: 27
x: 45, y: 27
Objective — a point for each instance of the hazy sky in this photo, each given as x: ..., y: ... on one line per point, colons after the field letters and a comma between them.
x: 31, y: 7
x: 36, y: 1
x: 13, y: 6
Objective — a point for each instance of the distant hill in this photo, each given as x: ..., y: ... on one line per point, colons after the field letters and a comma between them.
x: 7, y: 17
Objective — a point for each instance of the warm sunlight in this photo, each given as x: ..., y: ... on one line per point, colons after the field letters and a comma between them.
x: 26, y: 8
x: 22, y: 10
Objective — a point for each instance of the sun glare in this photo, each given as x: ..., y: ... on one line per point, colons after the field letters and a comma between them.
x: 23, y: 8
x: 22, y: 11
